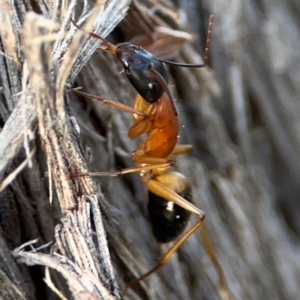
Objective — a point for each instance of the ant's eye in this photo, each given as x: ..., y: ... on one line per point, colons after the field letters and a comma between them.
x: 153, y: 86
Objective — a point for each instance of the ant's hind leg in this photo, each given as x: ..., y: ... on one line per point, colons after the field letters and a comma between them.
x: 158, y: 188
x: 166, y: 255
x: 224, y: 292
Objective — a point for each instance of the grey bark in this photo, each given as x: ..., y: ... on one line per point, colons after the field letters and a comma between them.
x: 240, y: 114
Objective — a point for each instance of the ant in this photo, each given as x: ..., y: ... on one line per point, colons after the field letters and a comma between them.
x: 154, y: 113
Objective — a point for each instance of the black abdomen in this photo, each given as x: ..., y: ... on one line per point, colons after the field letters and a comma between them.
x: 168, y: 220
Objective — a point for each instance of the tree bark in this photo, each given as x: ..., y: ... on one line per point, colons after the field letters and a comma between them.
x: 239, y: 113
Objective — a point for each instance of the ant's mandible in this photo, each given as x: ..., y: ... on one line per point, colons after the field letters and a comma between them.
x: 170, y: 195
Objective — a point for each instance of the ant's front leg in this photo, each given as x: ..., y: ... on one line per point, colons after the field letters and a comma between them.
x: 112, y: 103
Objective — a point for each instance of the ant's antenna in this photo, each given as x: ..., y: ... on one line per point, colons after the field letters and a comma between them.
x: 107, y: 45
x: 163, y: 83
x: 206, y: 51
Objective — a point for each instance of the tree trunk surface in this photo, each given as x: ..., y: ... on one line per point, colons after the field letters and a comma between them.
x: 86, y: 237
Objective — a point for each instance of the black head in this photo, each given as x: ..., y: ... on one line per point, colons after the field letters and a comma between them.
x: 168, y: 220
x: 142, y: 69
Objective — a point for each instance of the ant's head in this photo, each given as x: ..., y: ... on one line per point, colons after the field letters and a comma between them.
x: 144, y: 71
x: 147, y: 73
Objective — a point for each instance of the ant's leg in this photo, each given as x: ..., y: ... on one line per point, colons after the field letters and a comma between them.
x: 224, y: 292
x: 181, y: 149
x: 139, y: 103
x: 148, y: 160
x: 114, y: 104
x: 163, y: 165
x: 167, y: 255
x: 161, y: 190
